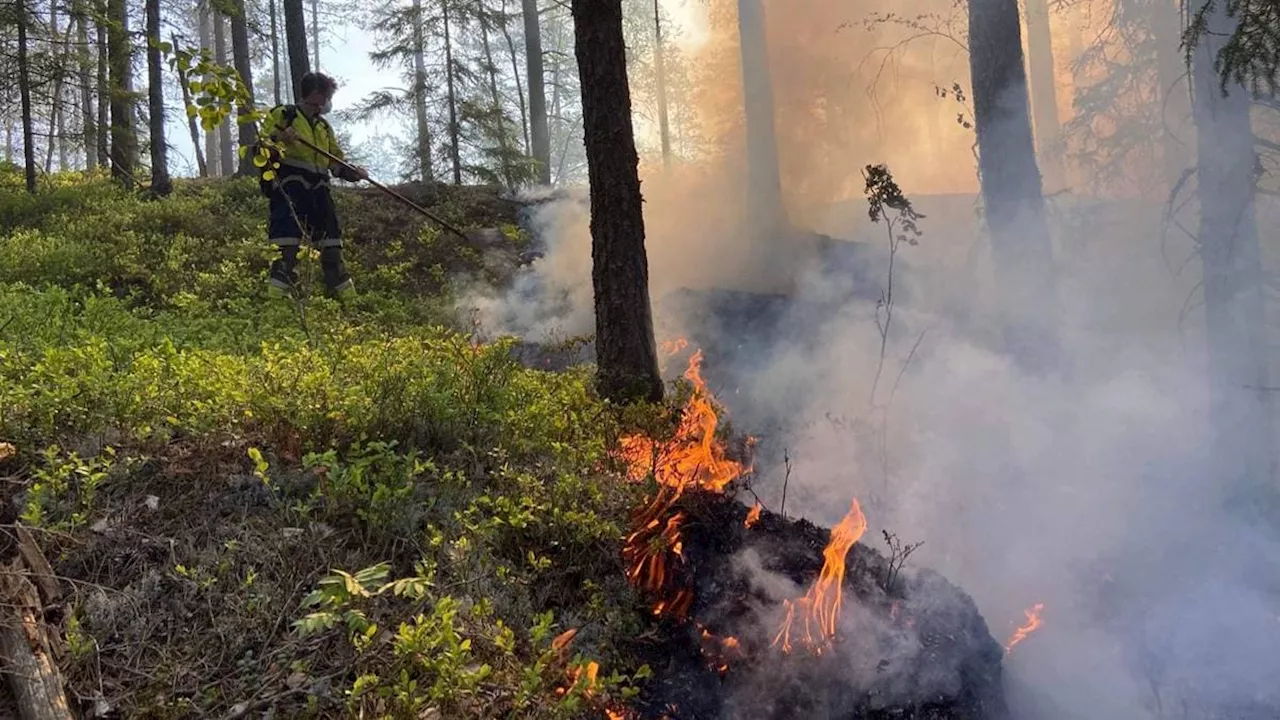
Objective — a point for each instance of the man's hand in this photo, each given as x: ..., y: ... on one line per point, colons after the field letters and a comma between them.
x: 360, y: 172
x: 288, y: 135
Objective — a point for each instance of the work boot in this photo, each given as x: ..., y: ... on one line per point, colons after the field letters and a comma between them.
x: 336, y: 280
x: 283, y: 277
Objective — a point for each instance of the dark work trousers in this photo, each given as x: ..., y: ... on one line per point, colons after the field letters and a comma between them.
x: 302, y: 210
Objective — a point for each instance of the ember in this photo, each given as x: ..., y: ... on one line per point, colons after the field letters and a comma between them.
x: 753, y: 517
x: 1033, y: 623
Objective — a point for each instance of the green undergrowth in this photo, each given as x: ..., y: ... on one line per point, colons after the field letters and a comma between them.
x: 329, y: 510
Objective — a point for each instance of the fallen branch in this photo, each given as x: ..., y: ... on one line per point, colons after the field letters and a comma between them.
x: 27, y: 649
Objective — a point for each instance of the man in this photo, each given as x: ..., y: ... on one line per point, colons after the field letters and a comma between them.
x: 301, y: 203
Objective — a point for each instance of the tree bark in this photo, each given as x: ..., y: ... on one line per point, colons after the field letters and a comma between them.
x: 425, y: 166
x: 1174, y: 99
x: 81, y: 12
x: 1044, y: 93
x: 1011, y: 185
x: 104, y: 90
x: 248, y: 132
x: 764, y: 183
x: 499, y: 120
x: 275, y: 50
x: 295, y: 32
x: 1233, y: 275
x: 625, y: 349
x: 212, y: 156
x: 537, y: 91
x: 226, y: 151
x: 124, y: 139
x: 160, y: 183
x: 455, y: 156
x: 515, y: 73
x: 660, y: 66
x: 26, y: 642
x: 24, y: 90
x: 315, y: 32
x: 192, y: 126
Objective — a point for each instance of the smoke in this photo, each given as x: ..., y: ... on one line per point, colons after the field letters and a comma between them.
x: 1092, y: 491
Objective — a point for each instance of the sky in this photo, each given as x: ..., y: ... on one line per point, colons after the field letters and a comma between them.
x: 344, y: 54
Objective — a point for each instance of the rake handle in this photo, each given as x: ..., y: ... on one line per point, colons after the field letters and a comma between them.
x: 427, y: 213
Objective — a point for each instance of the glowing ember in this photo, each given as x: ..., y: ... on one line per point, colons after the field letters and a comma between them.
x: 820, y: 607
x: 671, y: 347
x: 692, y: 458
x: 1033, y: 623
x: 753, y: 515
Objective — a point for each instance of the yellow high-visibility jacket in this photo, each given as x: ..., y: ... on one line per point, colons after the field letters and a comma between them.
x: 297, y: 155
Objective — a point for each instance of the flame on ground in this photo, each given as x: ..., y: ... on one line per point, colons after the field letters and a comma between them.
x: 691, y: 459
x: 820, y: 607
x: 1033, y: 623
x: 753, y: 515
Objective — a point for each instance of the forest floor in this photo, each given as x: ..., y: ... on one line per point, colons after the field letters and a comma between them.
x: 260, y: 507
x: 307, y: 509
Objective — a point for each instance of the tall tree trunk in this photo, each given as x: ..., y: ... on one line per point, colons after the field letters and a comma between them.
x: 226, y: 151
x: 1044, y: 93
x: 104, y: 90
x: 626, y: 354
x: 764, y: 184
x: 295, y: 33
x: 1174, y: 99
x: 1011, y: 186
x: 124, y: 138
x: 515, y: 73
x: 537, y: 91
x: 58, y: 52
x: 1233, y: 274
x: 248, y: 132
x: 192, y: 127
x: 455, y: 156
x: 499, y: 118
x: 275, y: 51
x: 81, y: 11
x: 207, y: 17
x: 24, y: 90
x: 315, y: 32
x: 660, y: 65
x: 160, y: 183
x: 420, y: 95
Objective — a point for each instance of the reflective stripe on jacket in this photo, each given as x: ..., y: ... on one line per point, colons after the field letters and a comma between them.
x: 317, y: 132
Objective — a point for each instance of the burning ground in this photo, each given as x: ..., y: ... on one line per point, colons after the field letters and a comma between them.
x: 766, y: 617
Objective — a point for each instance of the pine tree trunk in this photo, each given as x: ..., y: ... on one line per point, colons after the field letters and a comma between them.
x: 226, y: 151
x: 124, y: 138
x: 192, y: 126
x: 515, y: 73
x: 315, y: 32
x: 499, y: 120
x: 104, y: 93
x: 1011, y: 186
x: 24, y: 90
x: 455, y: 156
x: 660, y: 66
x: 537, y: 91
x: 764, y: 183
x: 295, y: 33
x: 1174, y: 105
x: 55, y: 96
x: 1233, y: 276
x: 248, y: 132
x: 275, y: 51
x: 160, y: 183
x: 1044, y: 94
x: 625, y: 350
x: 81, y: 11
x: 420, y: 95
x: 212, y: 156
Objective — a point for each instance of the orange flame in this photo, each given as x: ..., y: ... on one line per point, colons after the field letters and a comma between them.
x: 753, y: 515
x: 821, y: 605
x: 1033, y: 623
x: 693, y: 458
